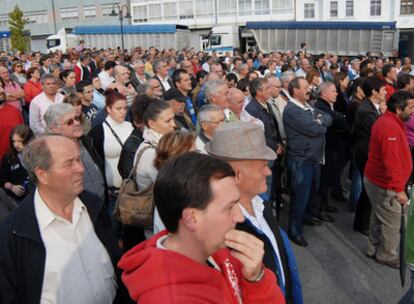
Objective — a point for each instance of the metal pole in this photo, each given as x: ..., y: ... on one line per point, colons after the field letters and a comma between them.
x: 54, y: 16
x: 122, y: 29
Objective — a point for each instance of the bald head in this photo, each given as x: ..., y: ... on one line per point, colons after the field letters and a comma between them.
x: 121, y: 74
x: 236, y: 100
x: 235, y: 94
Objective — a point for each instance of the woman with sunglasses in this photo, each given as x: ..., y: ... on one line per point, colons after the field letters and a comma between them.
x: 18, y: 74
x: 109, y: 138
x: 76, y: 102
x: 13, y: 176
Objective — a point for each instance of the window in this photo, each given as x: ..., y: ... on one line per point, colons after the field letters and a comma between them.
x: 261, y: 7
x: 349, y: 8
x: 170, y: 11
x: 89, y: 11
x: 245, y: 7
x: 38, y: 17
x: 69, y: 13
x: 204, y: 8
x: 282, y: 6
x: 106, y: 9
x: 4, y: 20
x: 309, y: 10
x: 407, y: 7
x: 375, y: 7
x: 186, y: 9
x: 334, y: 9
x: 227, y: 8
x: 140, y: 13
x: 215, y: 40
x: 154, y: 12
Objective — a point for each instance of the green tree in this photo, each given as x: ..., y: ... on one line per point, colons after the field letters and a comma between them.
x: 18, y: 39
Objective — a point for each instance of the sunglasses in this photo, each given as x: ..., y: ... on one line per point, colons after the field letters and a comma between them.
x: 71, y: 121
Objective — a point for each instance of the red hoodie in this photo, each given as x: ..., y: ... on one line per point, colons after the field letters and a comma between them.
x: 389, y: 162
x: 154, y: 275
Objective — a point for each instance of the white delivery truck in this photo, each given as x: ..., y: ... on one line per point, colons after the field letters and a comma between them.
x: 62, y: 40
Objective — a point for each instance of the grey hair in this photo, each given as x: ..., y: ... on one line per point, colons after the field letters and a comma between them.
x: 53, y: 67
x: 205, y: 111
x: 286, y: 76
x: 156, y: 64
x: 54, y: 113
x: 241, y: 66
x: 325, y: 85
x: 138, y: 62
x: 37, y: 155
x: 212, y: 87
x: 47, y: 76
x: 143, y: 88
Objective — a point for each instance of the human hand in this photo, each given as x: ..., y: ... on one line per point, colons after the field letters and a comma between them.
x: 18, y: 190
x: 249, y: 250
x: 402, y: 197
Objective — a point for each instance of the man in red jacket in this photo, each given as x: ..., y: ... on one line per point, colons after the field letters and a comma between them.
x: 386, y: 174
x: 202, y: 259
x: 389, y: 72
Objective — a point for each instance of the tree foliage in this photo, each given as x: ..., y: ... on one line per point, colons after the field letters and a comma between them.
x: 18, y: 39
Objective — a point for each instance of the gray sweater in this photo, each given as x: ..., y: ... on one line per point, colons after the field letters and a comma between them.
x: 305, y: 131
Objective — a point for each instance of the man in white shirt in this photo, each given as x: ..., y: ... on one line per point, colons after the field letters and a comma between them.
x: 63, y: 248
x: 243, y: 145
x: 41, y: 103
x: 161, y: 74
x: 107, y: 75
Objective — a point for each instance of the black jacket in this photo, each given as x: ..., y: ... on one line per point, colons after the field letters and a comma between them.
x: 338, y: 130
x: 342, y: 103
x: 269, y: 255
x: 272, y: 134
x: 162, y: 86
x: 126, y: 159
x: 23, y: 255
x: 365, y: 117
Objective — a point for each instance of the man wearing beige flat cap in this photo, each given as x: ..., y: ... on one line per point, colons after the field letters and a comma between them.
x: 243, y: 146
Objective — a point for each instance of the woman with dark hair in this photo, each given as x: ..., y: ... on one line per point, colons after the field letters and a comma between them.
x: 74, y: 100
x: 69, y: 80
x: 109, y: 138
x: 13, y: 176
x: 33, y: 87
x: 313, y: 77
x: 231, y: 80
x: 18, y: 74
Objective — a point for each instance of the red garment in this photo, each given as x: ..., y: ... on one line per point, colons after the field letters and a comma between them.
x: 9, y: 118
x: 154, y: 275
x: 196, y: 68
x: 31, y: 90
x: 389, y: 162
x: 390, y: 90
x: 79, y: 71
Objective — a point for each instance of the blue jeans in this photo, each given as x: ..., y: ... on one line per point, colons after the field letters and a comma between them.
x: 356, y: 187
x: 408, y: 298
x: 303, y: 186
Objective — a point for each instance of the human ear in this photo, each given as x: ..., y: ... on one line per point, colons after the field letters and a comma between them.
x: 189, y: 218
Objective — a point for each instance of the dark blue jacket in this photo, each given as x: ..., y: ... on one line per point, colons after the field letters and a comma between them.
x: 293, y: 287
x: 305, y: 132
x: 23, y: 255
x: 272, y: 133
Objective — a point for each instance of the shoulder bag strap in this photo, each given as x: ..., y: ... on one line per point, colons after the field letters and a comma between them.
x: 140, y: 153
x: 114, y: 134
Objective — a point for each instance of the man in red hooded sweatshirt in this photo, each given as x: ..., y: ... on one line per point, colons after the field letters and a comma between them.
x: 387, y: 171
x: 202, y: 258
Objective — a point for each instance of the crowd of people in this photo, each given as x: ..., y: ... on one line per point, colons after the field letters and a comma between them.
x: 220, y: 144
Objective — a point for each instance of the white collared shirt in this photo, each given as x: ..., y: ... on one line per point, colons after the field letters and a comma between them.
x: 164, y: 82
x: 106, y: 79
x: 78, y: 268
x: 260, y: 223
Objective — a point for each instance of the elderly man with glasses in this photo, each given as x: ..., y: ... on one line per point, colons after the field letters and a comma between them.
x: 61, y: 119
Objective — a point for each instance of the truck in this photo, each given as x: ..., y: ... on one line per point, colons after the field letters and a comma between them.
x: 340, y: 38
x: 61, y: 41
x: 161, y: 36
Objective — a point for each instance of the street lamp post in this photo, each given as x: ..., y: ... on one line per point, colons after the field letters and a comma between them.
x: 121, y: 17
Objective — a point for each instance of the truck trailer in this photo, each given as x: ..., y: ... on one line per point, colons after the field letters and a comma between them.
x: 160, y: 36
x: 340, y: 38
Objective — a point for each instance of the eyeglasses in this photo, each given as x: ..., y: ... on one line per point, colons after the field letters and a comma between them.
x: 71, y: 121
x: 18, y: 66
x: 216, y: 122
